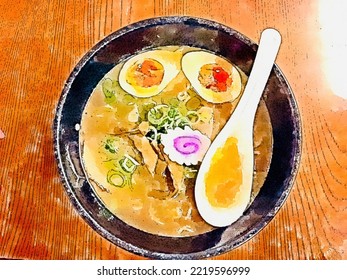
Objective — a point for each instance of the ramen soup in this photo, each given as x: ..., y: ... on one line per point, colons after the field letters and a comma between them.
x: 146, y: 128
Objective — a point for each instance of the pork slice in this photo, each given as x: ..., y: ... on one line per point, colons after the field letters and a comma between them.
x: 150, y: 157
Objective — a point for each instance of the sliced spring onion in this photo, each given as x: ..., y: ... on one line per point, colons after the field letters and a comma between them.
x: 173, y: 112
x: 108, y: 88
x: 111, y: 146
x: 129, y: 99
x: 112, y: 90
x: 128, y: 164
x: 116, y: 178
x: 157, y: 114
x: 193, y: 116
x: 193, y: 103
x: 180, y: 121
x: 162, y: 118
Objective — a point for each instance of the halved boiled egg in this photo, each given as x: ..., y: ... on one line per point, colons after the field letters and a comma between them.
x: 148, y: 73
x: 214, y: 78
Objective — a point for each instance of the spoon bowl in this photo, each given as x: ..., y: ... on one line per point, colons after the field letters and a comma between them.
x: 221, y: 200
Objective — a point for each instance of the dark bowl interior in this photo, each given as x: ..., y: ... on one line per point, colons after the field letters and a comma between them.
x: 176, y: 31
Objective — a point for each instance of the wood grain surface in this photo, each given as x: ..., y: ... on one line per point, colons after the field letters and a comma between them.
x: 40, y: 43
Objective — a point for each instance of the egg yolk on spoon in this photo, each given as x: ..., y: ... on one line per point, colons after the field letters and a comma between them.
x: 222, y: 190
x: 146, y: 74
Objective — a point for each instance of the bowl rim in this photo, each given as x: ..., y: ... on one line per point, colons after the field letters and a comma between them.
x: 91, y: 221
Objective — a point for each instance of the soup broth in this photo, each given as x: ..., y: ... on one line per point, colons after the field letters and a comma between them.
x: 123, y: 128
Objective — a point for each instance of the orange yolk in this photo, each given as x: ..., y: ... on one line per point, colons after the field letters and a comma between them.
x: 214, y: 77
x: 146, y: 74
x: 224, y: 179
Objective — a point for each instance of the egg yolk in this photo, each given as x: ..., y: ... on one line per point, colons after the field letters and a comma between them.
x: 146, y: 74
x: 214, y: 77
x: 224, y: 178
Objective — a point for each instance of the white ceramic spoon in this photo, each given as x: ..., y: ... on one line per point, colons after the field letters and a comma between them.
x: 240, y: 127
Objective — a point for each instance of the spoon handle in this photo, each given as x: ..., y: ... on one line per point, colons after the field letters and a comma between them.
x: 270, y: 41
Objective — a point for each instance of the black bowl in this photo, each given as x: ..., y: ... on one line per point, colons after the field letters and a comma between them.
x: 194, y: 32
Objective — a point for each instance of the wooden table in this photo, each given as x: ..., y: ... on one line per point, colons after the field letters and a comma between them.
x: 40, y: 43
